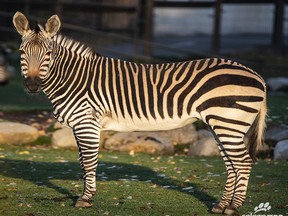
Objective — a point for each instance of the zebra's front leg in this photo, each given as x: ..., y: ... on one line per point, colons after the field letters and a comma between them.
x: 87, y: 135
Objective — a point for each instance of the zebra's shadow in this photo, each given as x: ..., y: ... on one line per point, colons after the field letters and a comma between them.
x: 42, y: 174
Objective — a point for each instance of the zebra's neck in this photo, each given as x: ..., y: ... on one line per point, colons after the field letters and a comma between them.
x: 74, y: 46
x: 71, y: 60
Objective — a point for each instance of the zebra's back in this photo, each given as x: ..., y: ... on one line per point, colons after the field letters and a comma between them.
x: 166, y: 96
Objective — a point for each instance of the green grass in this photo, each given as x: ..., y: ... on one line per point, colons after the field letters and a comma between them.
x: 278, y: 107
x: 14, y: 98
x: 44, y: 181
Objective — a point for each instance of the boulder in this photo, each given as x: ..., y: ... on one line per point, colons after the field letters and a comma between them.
x: 17, y: 133
x: 105, y: 135
x: 281, y: 150
x: 58, y: 125
x: 148, y: 142
x: 184, y: 135
x: 277, y: 83
x: 275, y: 133
x: 202, y: 134
x: 63, y: 138
x: 205, y: 146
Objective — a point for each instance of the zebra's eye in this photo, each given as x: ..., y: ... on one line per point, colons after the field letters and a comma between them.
x: 22, y: 51
x: 50, y: 44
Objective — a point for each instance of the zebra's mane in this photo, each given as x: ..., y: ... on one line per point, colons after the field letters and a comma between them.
x: 75, y: 46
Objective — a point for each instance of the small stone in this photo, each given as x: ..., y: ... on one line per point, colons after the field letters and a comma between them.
x: 42, y: 133
x: 50, y: 120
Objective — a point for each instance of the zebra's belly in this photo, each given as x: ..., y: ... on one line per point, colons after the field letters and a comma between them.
x: 124, y: 125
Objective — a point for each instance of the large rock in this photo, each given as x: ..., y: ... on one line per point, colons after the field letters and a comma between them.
x: 148, y: 142
x: 277, y: 83
x: 276, y: 133
x: 63, y: 138
x: 281, y: 150
x: 205, y: 146
x: 184, y: 135
x: 203, y: 134
x: 17, y: 133
x: 58, y: 125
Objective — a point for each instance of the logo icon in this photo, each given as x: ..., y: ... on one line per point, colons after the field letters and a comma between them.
x: 262, y: 207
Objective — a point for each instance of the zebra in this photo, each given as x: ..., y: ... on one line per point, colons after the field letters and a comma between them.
x: 92, y: 93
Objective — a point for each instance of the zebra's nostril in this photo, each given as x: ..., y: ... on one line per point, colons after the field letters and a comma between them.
x: 33, y: 88
x: 33, y: 84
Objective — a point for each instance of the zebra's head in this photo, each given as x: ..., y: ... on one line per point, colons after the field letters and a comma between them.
x: 37, y: 49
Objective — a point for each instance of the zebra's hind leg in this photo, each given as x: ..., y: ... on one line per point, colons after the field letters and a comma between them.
x: 238, y: 166
x: 87, y: 137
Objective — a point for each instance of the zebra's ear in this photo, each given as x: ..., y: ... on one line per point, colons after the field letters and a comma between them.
x: 21, y: 23
x: 52, y: 25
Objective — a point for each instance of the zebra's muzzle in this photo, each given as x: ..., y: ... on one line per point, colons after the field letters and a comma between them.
x: 33, y: 84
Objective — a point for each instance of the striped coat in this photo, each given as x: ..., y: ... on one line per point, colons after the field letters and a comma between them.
x: 92, y: 93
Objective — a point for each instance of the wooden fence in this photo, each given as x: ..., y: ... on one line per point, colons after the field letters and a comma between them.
x: 138, y: 16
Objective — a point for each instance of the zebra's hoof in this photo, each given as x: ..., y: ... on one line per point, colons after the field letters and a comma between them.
x: 231, y: 210
x: 83, y: 203
x: 217, y: 209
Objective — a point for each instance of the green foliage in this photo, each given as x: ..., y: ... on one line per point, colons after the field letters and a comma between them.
x: 43, y: 181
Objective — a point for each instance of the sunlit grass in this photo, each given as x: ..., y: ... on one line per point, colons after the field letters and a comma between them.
x: 43, y: 181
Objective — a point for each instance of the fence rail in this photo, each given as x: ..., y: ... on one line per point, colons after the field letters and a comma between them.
x: 277, y: 32
x: 143, y: 12
x: 83, y: 7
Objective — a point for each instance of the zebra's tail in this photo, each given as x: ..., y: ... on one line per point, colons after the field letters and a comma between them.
x: 256, y: 138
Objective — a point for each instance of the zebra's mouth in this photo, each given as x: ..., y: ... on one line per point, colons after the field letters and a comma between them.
x: 33, y: 84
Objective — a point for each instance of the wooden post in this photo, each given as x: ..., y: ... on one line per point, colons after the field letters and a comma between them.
x: 277, y: 40
x: 58, y: 8
x: 217, y: 27
x: 148, y: 26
